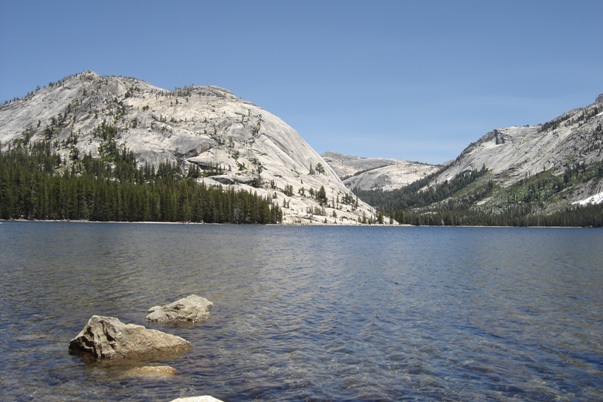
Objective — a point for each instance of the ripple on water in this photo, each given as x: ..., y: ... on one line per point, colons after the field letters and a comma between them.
x: 311, y: 313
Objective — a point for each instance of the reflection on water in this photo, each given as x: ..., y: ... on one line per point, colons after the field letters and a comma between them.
x: 320, y: 313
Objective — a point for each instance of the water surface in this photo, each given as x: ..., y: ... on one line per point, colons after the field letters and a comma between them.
x: 310, y: 313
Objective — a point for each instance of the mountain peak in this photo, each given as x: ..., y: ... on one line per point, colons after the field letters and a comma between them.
x: 88, y: 74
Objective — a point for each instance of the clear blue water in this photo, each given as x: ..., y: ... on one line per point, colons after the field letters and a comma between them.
x: 310, y: 313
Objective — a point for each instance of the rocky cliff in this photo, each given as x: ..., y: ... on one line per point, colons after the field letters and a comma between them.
x: 235, y: 142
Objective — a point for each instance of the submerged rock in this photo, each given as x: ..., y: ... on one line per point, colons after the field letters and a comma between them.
x: 151, y: 371
x: 190, y: 309
x: 204, y: 398
x: 109, y: 338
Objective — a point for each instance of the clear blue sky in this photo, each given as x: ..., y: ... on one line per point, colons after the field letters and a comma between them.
x: 416, y: 80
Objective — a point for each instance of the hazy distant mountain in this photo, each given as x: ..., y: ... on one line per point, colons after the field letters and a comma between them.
x: 376, y: 173
x: 204, y: 126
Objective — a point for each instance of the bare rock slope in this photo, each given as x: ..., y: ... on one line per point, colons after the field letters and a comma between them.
x: 377, y: 173
x: 204, y: 126
x: 568, y: 145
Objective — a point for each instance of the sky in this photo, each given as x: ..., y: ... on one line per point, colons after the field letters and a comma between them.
x: 413, y: 80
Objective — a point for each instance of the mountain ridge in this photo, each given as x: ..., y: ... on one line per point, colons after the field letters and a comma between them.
x: 574, y: 137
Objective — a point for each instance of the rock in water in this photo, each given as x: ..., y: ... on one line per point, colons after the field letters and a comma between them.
x: 151, y: 371
x: 190, y: 309
x: 204, y: 398
x: 109, y: 338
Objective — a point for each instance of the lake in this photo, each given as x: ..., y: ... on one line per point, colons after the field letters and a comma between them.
x: 310, y: 313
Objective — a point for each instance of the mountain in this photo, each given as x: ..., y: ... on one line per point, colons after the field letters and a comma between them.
x: 232, y: 141
x: 572, y: 141
x: 376, y: 173
x: 572, y: 138
x: 516, y: 175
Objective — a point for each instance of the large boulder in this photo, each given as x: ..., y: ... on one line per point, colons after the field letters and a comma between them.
x: 190, y: 309
x: 109, y: 338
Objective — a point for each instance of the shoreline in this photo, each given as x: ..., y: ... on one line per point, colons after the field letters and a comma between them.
x: 293, y: 224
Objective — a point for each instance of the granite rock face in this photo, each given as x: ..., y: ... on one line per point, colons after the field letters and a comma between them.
x: 515, y: 153
x: 189, y: 309
x: 109, y: 338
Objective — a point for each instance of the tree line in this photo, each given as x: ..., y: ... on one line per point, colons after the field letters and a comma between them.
x: 518, y: 215
x: 35, y: 183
